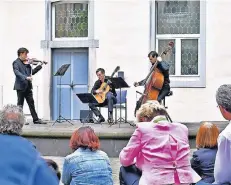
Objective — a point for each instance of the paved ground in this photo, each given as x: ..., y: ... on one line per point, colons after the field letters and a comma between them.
x: 114, y: 163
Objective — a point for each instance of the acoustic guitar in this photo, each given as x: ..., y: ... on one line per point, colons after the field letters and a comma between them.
x: 100, y: 97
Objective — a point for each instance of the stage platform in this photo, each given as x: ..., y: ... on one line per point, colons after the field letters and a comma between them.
x: 65, y: 129
x: 54, y: 140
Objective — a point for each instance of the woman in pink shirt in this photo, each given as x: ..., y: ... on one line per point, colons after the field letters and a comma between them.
x: 157, y: 149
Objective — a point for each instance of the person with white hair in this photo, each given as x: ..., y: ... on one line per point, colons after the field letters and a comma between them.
x: 222, y: 167
x: 157, y: 152
x: 20, y: 162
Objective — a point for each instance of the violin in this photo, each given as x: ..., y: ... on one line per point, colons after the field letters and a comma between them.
x: 34, y: 61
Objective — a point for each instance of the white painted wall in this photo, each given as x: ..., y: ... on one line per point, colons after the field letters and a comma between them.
x: 122, y: 28
x: 199, y: 104
x: 22, y: 24
x: 123, y: 40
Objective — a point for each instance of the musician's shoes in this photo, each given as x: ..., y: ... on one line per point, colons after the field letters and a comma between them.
x: 110, y: 120
x: 39, y: 121
x: 101, y: 119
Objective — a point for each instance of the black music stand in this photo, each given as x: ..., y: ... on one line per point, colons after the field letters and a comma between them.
x: 119, y: 83
x: 61, y: 71
x: 87, y: 98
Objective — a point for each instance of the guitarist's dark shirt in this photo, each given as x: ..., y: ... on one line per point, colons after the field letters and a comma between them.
x: 98, y: 84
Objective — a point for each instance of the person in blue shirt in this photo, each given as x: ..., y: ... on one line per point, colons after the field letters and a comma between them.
x: 20, y: 162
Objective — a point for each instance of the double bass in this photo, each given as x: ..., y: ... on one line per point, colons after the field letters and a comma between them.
x: 153, y: 83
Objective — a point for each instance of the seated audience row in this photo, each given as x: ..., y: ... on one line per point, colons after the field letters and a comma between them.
x: 222, y: 167
x: 158, y: 152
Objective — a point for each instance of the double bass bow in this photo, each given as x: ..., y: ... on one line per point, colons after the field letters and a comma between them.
x: 154, y: 81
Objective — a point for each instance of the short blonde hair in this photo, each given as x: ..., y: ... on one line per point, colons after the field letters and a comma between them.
x: 207, y: 135
x: 150, y: 109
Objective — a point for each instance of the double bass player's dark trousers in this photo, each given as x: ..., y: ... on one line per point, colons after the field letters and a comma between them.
x: 164, y: 91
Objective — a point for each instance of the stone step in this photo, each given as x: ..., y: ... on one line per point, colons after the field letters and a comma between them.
x: 115, y: 163
x: 54, y: 140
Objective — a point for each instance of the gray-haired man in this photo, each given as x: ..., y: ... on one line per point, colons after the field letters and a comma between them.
x: 20, y: 162
x: 222, y: 169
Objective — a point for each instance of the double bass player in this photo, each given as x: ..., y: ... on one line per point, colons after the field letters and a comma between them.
x: 163, y: 68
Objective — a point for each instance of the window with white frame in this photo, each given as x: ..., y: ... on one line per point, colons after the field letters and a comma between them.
x: 180, y: 22
x: 69, y: 20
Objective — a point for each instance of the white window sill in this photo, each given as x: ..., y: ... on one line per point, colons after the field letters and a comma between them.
x: 187, y: 81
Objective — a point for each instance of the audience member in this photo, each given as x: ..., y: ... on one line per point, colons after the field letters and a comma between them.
x: 87, y: 164
x: 204, y: 158
x: 157, y: 150
x: 54, y: 167
x: 222, y: 168
x: 20, y: 162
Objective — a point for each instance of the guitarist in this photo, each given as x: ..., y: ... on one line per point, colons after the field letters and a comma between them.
x: 110, y: 97
x: 164, y: 68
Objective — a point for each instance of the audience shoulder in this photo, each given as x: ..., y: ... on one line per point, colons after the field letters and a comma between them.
x: 144, y: 125
x: 181, y: 125
x: 71, y: 156
x: 15, y: 61
x: 104, y: 154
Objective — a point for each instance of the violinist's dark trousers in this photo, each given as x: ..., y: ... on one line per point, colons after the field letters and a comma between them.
x: 110, y: 101
x: 28, y: 95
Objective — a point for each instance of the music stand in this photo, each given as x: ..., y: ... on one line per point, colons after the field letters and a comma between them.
x: 60, y: 72
x: 87, y: 98
x: 119, y: 83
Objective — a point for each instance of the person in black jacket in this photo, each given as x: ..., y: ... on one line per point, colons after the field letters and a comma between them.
x: 23, y: 82
x: 164, y: 68
x: 203, y: 159
x: 110, y: 97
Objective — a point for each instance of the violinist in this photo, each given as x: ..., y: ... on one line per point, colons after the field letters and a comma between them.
x: 23, y: 82
x: 164, y: 68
